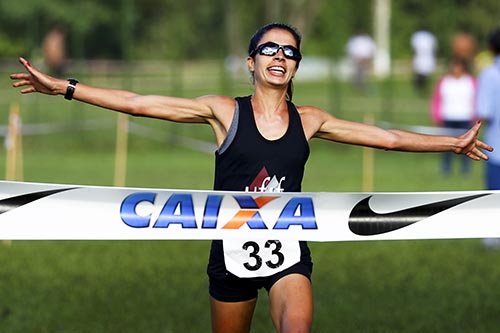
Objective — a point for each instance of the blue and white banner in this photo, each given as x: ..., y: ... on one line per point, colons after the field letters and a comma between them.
x: 35, y: 211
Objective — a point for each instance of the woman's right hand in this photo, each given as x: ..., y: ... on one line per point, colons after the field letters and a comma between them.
x: 36, y: 81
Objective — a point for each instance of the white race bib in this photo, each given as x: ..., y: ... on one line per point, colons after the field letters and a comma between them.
x: 258, y: 258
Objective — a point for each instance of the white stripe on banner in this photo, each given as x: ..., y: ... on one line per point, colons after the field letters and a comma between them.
x: 35, y: 211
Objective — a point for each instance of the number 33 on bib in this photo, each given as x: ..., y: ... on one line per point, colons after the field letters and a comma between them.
x: 256, y: 258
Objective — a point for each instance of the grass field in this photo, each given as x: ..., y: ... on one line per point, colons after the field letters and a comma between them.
x: 161, y: 286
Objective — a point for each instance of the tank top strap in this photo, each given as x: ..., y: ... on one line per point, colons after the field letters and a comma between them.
x: 246, y: 111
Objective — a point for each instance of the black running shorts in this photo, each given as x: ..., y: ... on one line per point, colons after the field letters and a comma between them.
x: 227, y: 287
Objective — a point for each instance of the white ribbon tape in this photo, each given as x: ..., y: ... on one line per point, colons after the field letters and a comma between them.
x: 34, y: 211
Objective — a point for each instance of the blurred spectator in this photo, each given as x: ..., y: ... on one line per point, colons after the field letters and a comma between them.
x: 54, y: 51
x: 361, y: 50
x: 453, y: 106
x: 463, y: 46
x: 424, y: 45
x: 488, y: 107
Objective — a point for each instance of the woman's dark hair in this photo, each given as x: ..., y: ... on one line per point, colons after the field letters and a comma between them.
x: 257, y: 37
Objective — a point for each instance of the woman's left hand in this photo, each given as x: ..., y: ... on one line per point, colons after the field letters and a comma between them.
x: 469, y: 145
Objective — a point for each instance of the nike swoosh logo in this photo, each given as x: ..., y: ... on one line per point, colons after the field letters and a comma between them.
x: 24, y: 199
x: 363, y: 221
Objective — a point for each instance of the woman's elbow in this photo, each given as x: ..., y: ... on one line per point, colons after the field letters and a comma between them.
x: 135, y: 109
x: 391, y: 142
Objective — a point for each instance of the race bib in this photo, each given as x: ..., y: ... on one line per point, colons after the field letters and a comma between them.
x: 258, y: 258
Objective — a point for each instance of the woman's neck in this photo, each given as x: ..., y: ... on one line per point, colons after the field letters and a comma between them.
x: 269, y: 100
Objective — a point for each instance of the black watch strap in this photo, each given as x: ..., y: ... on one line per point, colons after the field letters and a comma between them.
x: 71, y: 89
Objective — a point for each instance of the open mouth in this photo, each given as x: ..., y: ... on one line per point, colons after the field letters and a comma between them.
x: 277, y: 69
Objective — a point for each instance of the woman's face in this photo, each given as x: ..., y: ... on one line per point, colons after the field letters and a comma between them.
x: 277, y: 69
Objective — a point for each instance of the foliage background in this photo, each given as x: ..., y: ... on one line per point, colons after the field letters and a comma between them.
x: 193, y: 29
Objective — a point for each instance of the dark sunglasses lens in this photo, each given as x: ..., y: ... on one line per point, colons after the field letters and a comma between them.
x: 290, y: 52
x: 269, y: 49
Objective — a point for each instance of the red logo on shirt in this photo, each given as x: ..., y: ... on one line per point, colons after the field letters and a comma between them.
x: 265, y: 183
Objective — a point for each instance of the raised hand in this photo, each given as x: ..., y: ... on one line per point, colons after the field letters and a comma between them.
x: 36, y: 81
x: 470, y: 145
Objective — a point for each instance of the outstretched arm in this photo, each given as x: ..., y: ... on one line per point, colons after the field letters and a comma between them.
x: 162, y: 107
x: 214, y: 110
x: 467, y: 144
x: 318, y: 123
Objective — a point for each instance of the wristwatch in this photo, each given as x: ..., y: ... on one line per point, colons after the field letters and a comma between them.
x: 71, y: 89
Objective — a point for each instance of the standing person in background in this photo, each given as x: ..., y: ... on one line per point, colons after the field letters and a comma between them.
x: 424, y: 45
x: 54, y: 51
x: 361, y: 50
x: 453, y: 106
x: 263, y: 146
x: 488, y: 107
x: 463, y: 47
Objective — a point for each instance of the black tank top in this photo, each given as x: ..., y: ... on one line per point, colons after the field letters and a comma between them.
x: 249, y: 162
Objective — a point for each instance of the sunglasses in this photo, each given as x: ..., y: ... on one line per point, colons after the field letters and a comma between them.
x: 271, y: 49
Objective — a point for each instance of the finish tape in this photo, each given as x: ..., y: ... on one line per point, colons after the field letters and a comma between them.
x: 37, y: 211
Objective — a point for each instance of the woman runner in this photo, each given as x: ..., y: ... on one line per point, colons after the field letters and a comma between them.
x: 262, y: 147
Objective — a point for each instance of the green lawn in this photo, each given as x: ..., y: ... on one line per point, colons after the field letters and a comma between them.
x: 161, y: 286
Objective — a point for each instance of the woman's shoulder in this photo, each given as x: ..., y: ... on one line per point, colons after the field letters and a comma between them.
x: 218, y: 103
x: 217, y: 100
x: 222, y: 108
x: 313, y: 119
x: 309, y: 110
